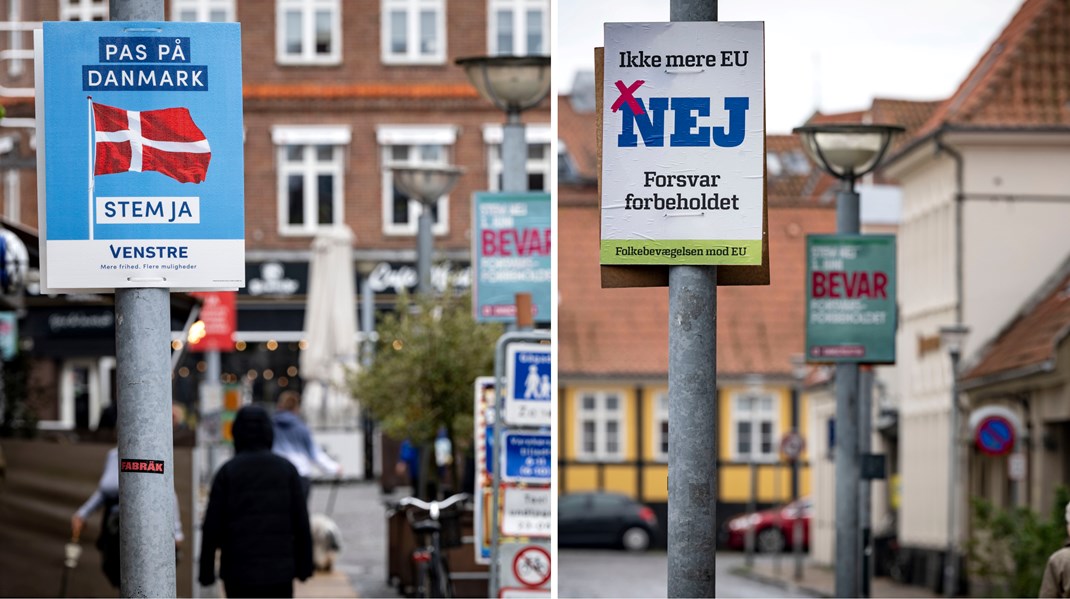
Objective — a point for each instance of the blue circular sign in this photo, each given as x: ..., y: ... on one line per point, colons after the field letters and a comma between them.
x: 995, y: 436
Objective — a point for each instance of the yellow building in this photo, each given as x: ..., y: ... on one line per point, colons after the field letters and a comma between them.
x: 613, y: 345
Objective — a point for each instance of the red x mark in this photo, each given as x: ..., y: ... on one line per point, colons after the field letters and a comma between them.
x: 626, y: 96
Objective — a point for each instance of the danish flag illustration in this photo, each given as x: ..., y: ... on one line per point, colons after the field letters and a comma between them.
x: 166, y: 141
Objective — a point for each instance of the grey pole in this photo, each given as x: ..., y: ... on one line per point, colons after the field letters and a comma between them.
x: 951, y: 563
x: 367, y: 321
x: 752, y: 507
x: 143, y: 371
x: 865, y: 409
x: 796, y: 529
x: 692, y: 526
x: 847, y: 550
x: 146, y: 498
x: 514, y: 154
x: 692, y: 431
x: 423, y: 250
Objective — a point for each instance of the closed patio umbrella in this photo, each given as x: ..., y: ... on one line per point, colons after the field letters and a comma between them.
x: 330, y: 331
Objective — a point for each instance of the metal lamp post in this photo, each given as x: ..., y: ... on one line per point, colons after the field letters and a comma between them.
x: 513, y: 84
x: 847, y: 152
x: 799, y: 369
x: 425, y: 184
x: 952, y: 337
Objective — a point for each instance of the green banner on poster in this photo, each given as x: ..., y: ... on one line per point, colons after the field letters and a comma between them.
x: 850, y: 298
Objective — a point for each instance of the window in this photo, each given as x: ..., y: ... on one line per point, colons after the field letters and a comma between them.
x: 308, y: 31
x: 202, y: 11
x: 404, y: 145
x: 538, y: 159
x: 310, y: 171
x: 754, y: 427
x: 83, y: 10
x: 518, y: 27
x: 600, y: 427
x: 413, y: 31
x: 660, y: 438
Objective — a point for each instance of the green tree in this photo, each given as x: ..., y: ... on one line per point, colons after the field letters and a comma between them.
x: 429, y: 353
x: 1009, y: 548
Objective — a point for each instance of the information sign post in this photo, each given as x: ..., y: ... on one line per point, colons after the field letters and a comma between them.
x: 521, y: 454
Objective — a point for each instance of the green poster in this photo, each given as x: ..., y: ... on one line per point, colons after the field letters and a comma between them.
x: 850, y: 298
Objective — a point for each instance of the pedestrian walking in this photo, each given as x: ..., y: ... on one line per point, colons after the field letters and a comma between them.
x: 106, y: 496
x: 257, y: 517
x: 1056, y: 581
x: 293, y: 441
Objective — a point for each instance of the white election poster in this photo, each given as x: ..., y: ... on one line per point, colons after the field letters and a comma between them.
x: 683, y: 141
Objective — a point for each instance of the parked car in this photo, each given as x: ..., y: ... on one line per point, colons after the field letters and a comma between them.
x: 774, y: 528
x: 604, y: 519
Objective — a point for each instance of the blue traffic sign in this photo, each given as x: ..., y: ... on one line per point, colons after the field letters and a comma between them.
x: 529, y: 389
x: 527, y: 457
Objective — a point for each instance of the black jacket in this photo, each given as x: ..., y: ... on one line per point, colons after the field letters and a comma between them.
x: 256, y: 514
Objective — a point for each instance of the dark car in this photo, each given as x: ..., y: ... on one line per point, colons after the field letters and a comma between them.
x: 774, y: 529
x: 606, y: 519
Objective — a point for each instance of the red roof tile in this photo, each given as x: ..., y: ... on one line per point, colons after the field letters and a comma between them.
x: 1030, y: 339
x: 624, y: 332
x: 1023, y: 80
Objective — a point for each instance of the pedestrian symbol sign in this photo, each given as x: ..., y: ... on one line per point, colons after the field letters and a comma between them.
x: 527, y: 400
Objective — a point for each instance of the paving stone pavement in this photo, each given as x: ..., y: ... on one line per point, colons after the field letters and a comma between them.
x: 358, y: 510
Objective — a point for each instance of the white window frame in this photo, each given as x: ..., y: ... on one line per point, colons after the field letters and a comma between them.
x: 99, y: 387
x: 520, y: 10
x: 661, y: 416
x: 203, y: 10
x: 756, y: 417
x: 534, y: 134
x: 82, y: 10
x: 412, y: 54
x: 600, y: 415
x: 310, y: 136
x: 389, y: 136
x: 308, y: 10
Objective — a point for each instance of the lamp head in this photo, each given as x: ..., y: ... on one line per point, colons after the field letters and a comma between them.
x: 847, y: 151
x: 512, y: 83
x: 953, y: 337
x: 425, y: 183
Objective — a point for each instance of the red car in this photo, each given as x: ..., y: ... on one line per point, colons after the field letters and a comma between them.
x: 774, y: 528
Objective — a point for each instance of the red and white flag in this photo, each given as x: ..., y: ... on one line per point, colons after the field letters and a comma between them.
x: 166, y: 141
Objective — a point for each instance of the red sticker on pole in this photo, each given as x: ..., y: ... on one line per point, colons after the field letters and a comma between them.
x: 153, y: 466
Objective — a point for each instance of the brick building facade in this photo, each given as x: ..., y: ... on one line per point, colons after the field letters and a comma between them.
x: 335, y: 92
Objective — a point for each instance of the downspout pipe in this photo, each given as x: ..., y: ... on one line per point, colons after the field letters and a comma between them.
x: 942, y: 146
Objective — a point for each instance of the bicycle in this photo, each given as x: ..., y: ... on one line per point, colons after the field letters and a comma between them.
x: 432, y: 570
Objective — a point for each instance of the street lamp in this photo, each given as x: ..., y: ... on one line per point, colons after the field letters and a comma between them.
x: 953, y: 337
x: 426, y: 184
x: 513, y: 84
x: 847, y: 152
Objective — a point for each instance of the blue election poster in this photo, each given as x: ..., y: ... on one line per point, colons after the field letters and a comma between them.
x: 527, y: 401
x: 143, y: 180
x: 510, y: 254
